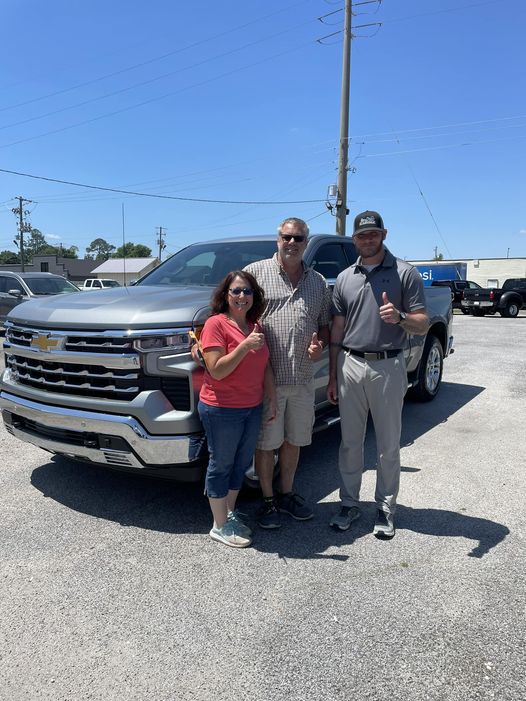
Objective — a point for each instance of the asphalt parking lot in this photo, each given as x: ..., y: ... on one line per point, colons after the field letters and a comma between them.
x: 112, y: 589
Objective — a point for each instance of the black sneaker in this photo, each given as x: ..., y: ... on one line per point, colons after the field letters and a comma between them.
x: 384, y: 525
x: 268, y: 515
x: 295, y: 506
x: 344, y: 518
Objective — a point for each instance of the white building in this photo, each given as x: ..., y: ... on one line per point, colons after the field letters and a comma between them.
x: 124, y: 270
x: 487, y: 272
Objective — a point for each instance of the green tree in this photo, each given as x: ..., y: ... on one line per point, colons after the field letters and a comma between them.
x: 9, y: 258
x: 71, y: 252
x: 99, y: 249
x: 132, y: 250
x: 35, y: 244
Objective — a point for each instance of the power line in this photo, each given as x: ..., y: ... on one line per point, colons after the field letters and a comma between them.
x: 156, y: 99
x: 440, y: 148
x: 154, y: 59
x: 443, y: 126
x: 151, y: 80
x: 437, y: 136
x: 146, y: 194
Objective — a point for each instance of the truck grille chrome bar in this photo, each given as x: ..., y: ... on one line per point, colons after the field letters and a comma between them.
x: 95, y: 381
x: 101, y: 365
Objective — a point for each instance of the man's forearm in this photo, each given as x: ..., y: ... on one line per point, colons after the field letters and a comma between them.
x: 416, y: 323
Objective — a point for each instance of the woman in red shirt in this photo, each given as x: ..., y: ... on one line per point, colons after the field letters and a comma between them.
x: 237, y: 378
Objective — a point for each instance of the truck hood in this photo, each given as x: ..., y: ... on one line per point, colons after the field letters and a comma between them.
x: 140, y: 307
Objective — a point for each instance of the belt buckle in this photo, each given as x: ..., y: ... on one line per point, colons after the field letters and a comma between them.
x: 372, y: 356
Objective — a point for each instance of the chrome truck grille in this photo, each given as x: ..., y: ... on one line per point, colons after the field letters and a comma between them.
x: 100, y: 366
x: 91, y: 380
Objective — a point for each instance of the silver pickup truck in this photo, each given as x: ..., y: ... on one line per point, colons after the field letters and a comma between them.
x: 109, y: 378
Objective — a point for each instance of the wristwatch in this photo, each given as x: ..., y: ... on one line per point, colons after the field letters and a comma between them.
x: 403, y: 316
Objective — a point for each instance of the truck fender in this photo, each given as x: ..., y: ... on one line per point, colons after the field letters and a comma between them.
x: 510, y: 304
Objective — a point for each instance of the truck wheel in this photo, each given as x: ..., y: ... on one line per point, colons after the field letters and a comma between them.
x: 464, y: 310
x: 429, y: 371
x: 251, y: 480
x: 478, y: 312
x: 511, y: 310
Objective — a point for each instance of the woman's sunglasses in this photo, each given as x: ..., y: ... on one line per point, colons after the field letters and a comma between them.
x: 236, y: 291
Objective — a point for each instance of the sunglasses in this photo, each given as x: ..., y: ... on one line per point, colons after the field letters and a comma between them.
x: 236, y: 291
x: 289, y: 237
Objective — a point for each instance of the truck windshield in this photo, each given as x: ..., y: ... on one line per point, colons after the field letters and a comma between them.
x: 50, y: 285
x: 208, y: 263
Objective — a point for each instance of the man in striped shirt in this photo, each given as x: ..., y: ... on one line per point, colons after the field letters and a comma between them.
x: 296, y: 327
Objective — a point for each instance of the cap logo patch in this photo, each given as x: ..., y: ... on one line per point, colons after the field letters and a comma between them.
x: 367, y: 220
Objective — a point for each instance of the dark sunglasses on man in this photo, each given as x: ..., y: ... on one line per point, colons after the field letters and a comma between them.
x: 293, y: 237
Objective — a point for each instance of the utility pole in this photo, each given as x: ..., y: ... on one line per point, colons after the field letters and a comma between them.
x: 341, y: 201
x: 160, y: 241
x: 22, y: 226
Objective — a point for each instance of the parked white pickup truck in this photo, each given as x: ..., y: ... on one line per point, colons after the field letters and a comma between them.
x: 96, y: 283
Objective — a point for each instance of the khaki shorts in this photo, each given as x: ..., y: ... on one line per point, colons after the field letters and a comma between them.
x: 294, y: 420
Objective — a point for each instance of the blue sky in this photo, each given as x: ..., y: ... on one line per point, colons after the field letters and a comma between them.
x: 238, y: 101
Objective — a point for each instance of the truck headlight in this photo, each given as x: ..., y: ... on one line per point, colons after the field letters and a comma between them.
x: 178, y: 343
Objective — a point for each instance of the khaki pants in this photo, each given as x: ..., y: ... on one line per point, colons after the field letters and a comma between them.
x: 377, y: 386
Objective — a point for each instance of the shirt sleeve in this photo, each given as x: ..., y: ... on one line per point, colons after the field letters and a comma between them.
x: 339, y: 307
x: 325, y: 313
x: 413, y: 297
x: 212, y: 335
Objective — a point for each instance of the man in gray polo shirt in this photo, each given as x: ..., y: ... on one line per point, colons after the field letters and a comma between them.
x: 377, y: 302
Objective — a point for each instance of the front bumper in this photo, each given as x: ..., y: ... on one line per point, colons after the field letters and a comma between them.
x: 108, y: 439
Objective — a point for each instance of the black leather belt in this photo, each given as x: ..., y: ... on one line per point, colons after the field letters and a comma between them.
x: 372, y: 355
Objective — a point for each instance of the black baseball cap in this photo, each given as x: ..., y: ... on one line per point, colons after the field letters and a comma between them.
x: 368, y: 221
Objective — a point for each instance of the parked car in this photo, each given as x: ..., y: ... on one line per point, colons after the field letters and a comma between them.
x: 457, y: 288
x: 96, y: 283
x: 508, y: 300
x: 109, y: 378
x: 19, y: 287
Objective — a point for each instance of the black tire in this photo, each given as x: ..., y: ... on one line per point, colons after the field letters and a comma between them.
x: 511, y: 310
x: 479, y: 312
x: 464, y: 310
x: 429, y: 371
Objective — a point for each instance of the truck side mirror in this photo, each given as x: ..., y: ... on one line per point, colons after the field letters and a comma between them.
x: 15, y: 293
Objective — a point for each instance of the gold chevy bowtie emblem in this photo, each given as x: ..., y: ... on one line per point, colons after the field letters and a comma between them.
x: 44, y: 343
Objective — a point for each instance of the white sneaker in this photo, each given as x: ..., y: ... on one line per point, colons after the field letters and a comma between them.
x: 384, y: 525
x: 240, y: 527
x: 228, y: 535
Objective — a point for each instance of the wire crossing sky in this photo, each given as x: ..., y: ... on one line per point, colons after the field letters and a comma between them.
x: 221, y: 119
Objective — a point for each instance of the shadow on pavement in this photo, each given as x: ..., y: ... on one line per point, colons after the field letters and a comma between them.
x: 311, y: 539
x: 169, y: 507
x: 130, y: 500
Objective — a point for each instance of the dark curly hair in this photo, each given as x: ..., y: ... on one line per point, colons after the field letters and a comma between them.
x: 219, y: 299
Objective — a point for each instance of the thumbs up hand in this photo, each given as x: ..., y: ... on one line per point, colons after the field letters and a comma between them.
x: 388, y: 312
x: 315, y: 348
